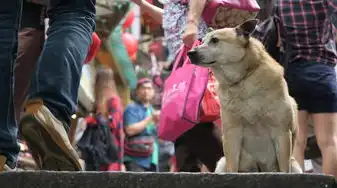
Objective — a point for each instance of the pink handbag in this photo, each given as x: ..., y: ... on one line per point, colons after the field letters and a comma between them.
x: 183, y: 91
x: 229, y: 13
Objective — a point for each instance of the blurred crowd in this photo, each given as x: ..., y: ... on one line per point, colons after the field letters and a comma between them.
x: 46, y: 62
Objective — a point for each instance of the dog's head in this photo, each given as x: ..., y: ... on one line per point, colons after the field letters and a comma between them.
x: 223, y: 46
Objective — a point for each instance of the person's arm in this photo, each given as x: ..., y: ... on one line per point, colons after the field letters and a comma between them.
x: 195, y: 11
x: 132, y: 125
x: 193, y: 20
x: 155, y: 12
x: 137, y: 128
x: 333, y: 5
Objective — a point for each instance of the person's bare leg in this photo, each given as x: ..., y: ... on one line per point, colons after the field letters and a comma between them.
x: 326, y: 134
x: 301, y: 137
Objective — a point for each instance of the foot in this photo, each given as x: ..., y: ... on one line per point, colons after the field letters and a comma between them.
x: 221, y: 166
x: 295, y: 166
x: 48, y: 140
x: 3, y: 166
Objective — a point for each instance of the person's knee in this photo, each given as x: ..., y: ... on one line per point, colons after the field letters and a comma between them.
x: 325, y: 130
x: 327, y: 143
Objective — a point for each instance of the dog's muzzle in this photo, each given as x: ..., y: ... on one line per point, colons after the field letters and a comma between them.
x: 193, y: 55
x: 198, y: 59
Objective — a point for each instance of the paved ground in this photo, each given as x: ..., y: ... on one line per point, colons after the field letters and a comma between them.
x: 161, y: 180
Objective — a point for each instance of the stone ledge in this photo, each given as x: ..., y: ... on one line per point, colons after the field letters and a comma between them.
x: 44, y: 179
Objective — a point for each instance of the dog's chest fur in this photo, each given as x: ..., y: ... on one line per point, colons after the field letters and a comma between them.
x: 252, y: 99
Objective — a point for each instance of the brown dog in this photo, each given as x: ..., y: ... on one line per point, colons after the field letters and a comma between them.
x: 258, y: 115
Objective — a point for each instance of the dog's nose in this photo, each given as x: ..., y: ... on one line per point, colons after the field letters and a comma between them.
x: 193, y: 55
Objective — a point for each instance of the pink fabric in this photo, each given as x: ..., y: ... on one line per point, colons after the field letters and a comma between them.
x: 210, y: 9
x: 111, y: 167
x: 218, y: 122
x: 183, y: 91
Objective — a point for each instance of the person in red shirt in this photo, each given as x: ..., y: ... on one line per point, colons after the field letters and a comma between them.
x: 108, y: 103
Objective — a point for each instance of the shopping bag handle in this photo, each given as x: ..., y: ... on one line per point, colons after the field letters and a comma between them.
x: 183, y: 54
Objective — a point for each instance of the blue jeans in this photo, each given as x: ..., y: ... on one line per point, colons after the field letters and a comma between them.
x: 58, y: 70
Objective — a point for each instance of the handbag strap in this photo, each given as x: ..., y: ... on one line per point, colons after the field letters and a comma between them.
x: 178, y: 58
x: 183, y: 54
x: 286, y: 47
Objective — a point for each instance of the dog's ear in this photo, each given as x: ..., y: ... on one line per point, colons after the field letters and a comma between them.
x: 247, y: 28
x: 210, y: 29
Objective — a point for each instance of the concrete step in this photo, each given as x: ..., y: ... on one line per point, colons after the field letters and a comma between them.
x: 43, y: 179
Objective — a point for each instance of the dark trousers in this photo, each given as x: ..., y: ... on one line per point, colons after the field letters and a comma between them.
x: 201, y: 144
x: 58, y: 69
x: 30, y: 46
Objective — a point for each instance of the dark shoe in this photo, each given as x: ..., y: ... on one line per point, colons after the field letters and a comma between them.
x: 48, y: 139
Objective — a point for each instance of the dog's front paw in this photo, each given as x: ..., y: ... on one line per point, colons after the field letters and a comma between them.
x: 295, y: 166
x: 221, y: 165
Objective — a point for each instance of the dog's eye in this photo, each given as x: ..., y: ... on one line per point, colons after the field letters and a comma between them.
x: 214, y: 40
